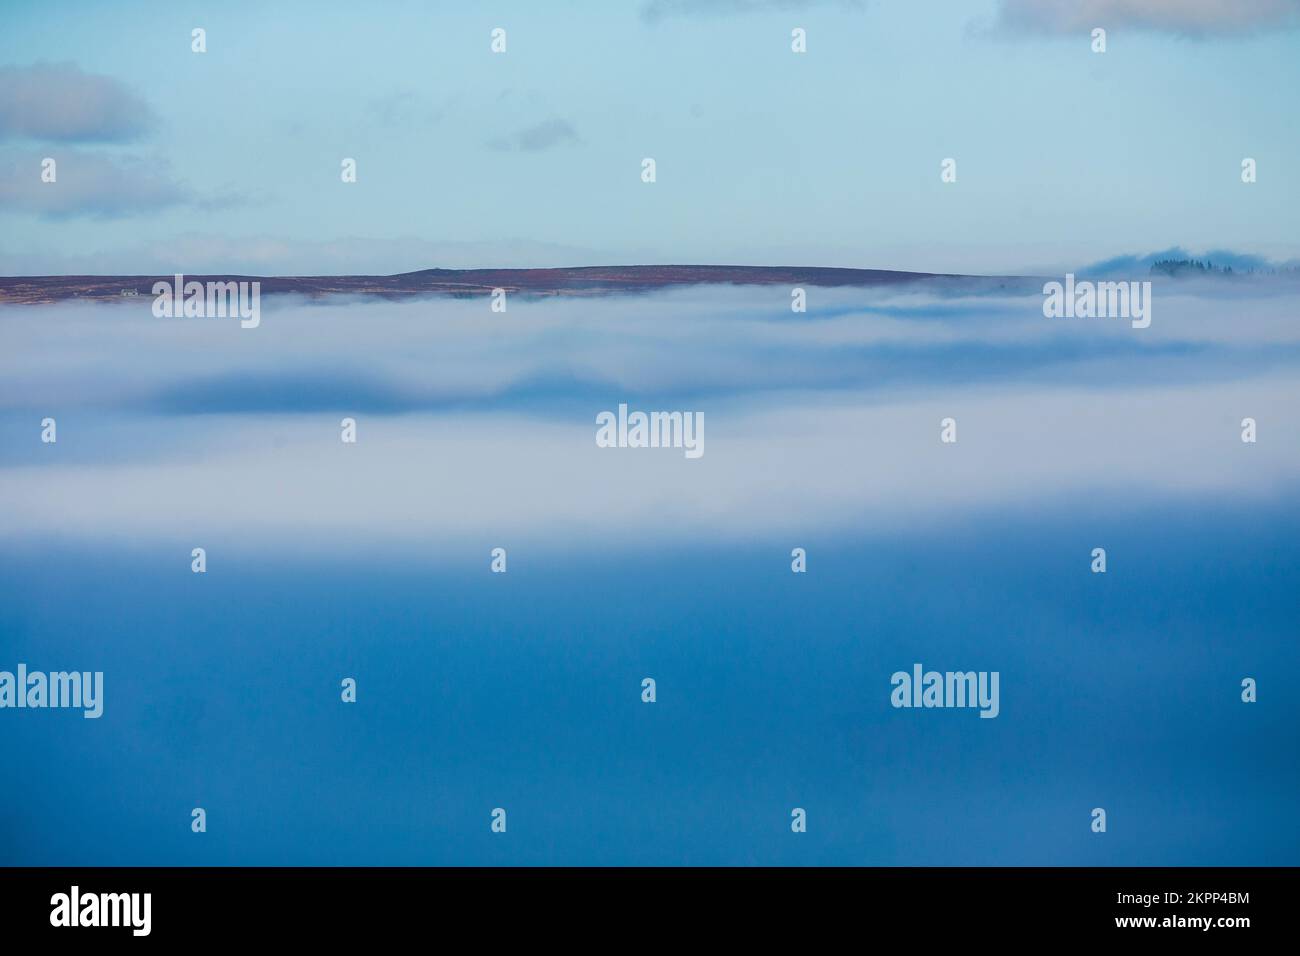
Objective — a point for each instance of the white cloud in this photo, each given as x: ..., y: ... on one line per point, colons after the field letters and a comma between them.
x: 806, y: 431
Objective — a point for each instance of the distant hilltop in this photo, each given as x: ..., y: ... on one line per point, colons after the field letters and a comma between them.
x: 583, y: 280
x: 1182, y: 267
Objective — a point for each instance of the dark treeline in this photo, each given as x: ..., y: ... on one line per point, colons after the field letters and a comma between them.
x: 1178, y: 267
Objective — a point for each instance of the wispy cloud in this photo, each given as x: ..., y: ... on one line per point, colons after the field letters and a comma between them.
x: 544, y: 135
x: 655, y: 10
x: 60, y: 103
x: 279, y: 255
x: 1185, y: 17
x: 405, y: 108
x: 88, y: 185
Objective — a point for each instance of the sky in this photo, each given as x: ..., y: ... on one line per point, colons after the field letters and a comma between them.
x: 229, y: 160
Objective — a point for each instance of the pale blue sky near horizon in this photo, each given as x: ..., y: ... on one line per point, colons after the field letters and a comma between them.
x: 533, y: 157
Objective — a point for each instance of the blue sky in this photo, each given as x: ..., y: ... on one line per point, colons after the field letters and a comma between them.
x: 229, y: 160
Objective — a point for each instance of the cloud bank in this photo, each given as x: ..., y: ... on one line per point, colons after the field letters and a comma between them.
x: 62, y: 104
x: 476, y: 425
